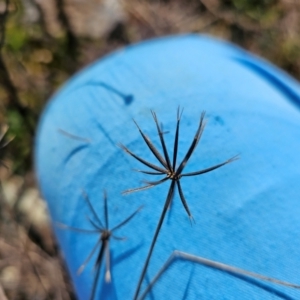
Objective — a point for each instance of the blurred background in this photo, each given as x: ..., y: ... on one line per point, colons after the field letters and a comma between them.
x: 42, y: 44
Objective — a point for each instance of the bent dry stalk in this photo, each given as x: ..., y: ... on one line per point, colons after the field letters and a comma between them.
x: 104, y: 236
x: 213, y: 265
x: 170, y: 171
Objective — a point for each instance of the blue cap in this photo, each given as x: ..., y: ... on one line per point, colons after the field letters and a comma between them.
x: 247, y: 213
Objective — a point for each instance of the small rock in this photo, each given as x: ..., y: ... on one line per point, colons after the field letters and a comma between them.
x: 10, y: 277
x: 34, y: 207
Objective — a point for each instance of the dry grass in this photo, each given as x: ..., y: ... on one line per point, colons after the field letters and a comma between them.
x: 30, y: 264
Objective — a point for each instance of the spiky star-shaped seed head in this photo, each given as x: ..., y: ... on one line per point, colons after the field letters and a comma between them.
x: 169, y: 170
x: 105, y: 234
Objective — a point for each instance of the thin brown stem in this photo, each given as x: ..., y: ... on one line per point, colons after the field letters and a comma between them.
x: 98, y: 265
x: 160, y: 222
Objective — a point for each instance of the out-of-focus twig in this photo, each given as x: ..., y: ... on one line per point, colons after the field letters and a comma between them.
x: 232, y: 19
x: 34, y: 268
x: 33, y: 256
x: 42, y: 18
x: 138, y: 15
x: 72, y: 41
x: 3, y: 17
x: 6, y: 81
x: 2, y: 295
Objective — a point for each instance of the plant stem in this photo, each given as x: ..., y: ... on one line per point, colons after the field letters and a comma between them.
x: 160, y: 222
x: 98, y: 265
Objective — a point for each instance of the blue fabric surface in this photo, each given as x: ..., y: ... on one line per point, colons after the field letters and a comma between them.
x: 247, y: 213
